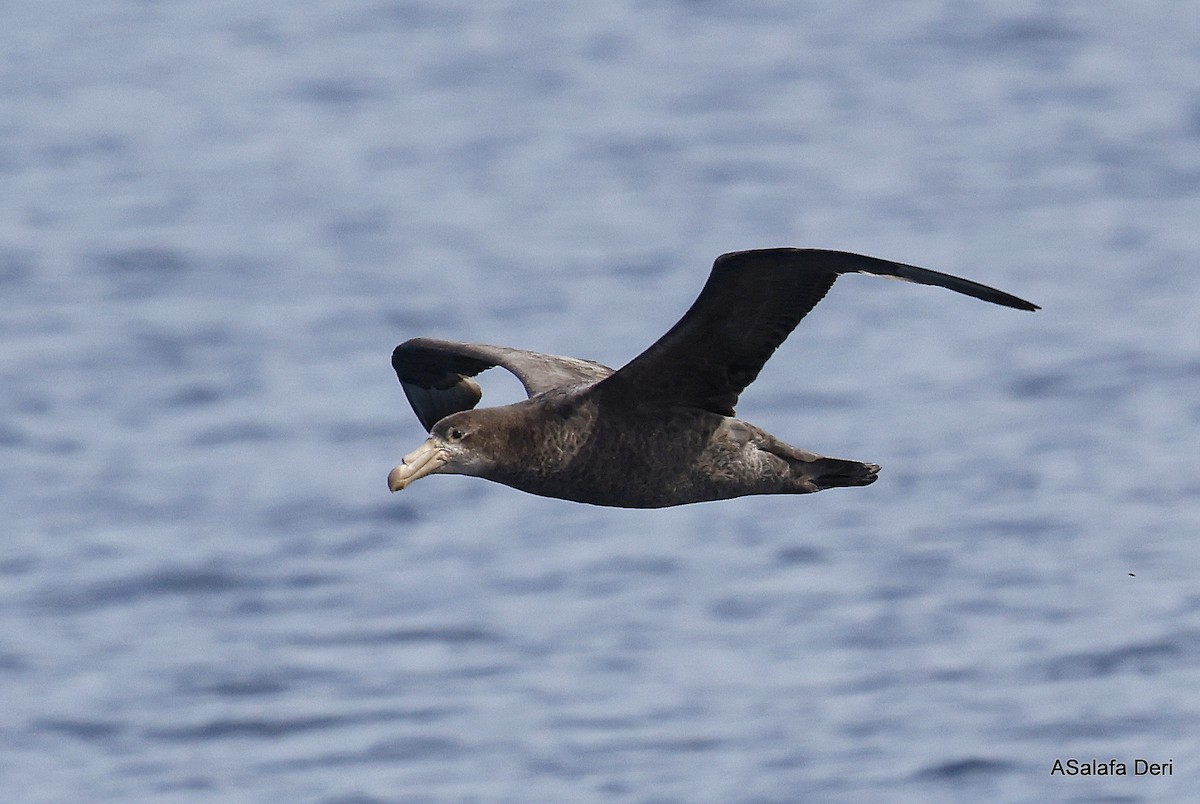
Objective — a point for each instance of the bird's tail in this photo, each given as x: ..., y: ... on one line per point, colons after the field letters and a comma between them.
x: 829, y: 473
x: 813, y: 472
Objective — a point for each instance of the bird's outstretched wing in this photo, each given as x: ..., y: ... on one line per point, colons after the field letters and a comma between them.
x: 436, y: 374
x: 750, y: 304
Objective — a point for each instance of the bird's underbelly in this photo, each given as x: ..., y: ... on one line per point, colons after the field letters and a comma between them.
x: 667, y: 466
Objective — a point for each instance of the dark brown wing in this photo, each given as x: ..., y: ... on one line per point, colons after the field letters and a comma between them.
x: 750, y: 304
x: 436, y: 374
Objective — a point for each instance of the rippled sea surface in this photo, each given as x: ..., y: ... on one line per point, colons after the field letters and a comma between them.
x: 217, y: 219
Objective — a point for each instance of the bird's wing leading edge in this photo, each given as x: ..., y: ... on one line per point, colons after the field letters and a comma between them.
x: 749, y: 305
x: 436, y: 374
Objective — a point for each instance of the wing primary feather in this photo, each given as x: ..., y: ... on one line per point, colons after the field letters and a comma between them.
x: 750, y: 304
x: 845, y: 262
x: 435, y: 374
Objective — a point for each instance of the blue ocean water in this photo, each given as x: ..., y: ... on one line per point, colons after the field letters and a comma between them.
x: 217, y: 219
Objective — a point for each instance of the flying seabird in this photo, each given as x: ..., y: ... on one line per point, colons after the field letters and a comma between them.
x: 661, y: 430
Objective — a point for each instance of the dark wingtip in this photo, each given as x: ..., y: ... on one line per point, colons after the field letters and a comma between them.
x: 990, y: 294
x: 1021, y: 304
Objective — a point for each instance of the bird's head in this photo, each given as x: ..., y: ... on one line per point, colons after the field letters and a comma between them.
x: 459, y: 444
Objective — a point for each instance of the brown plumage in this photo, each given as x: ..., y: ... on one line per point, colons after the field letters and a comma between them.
x: 660, y: 431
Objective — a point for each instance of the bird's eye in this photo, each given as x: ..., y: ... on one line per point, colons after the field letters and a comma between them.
x: 456, y: 434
